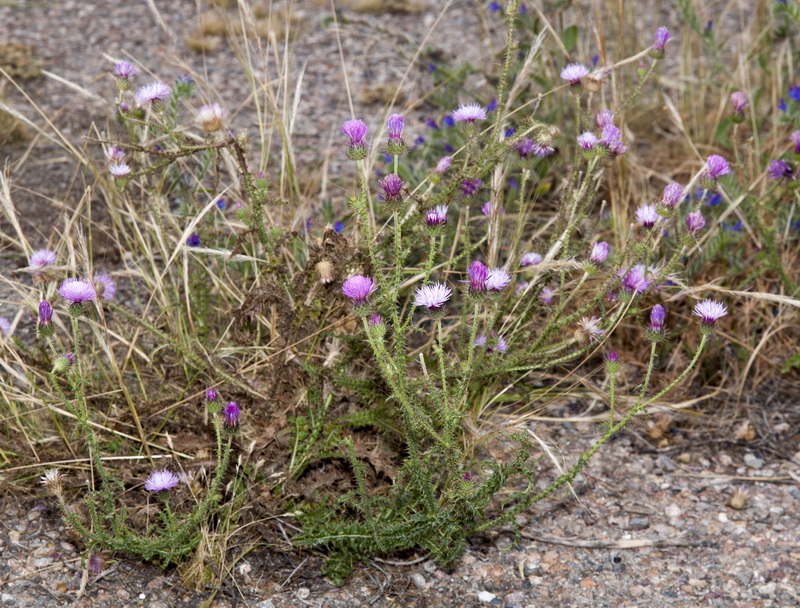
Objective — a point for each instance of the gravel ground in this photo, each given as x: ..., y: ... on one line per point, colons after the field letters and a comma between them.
x: 647, y: 527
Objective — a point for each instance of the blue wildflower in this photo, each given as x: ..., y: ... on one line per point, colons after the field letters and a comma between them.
x: 193, y: 241
x: 431, y: 123
x: 523, y: 10
x: 709, y: 25
x: 448, y: 149
x: 512, y: 183
x: 221, y: 203
x: 510, y: 131
x: 492, y: 106
x: 794, y: 93
x: 338, y: 227
x: 595, y: 59
x: 432, y: 67
x: 495, y: 6
x: 782, y: 105
x: 419, y: 141
x: 387, y: 158
x: 448, y: 121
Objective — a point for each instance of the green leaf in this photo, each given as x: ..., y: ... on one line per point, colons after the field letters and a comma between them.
x: 570, y: 37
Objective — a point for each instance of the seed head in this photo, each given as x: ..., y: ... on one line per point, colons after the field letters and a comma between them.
x: 52, y: 480
x: 325, y: 271
x: 588, y: 330
x: 211, y: 117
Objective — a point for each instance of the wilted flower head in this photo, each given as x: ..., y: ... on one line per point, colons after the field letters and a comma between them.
x: 795, y: 139
x: 95, y: 563
x: 41, y: 258
x: 478, y: 273
x: 695, y: 222
x: 392, y: 187
x: 547, y: 294
x: 469, y: 113
x: 710, y: 311
x: 443, y: 164
x: 542, y: 150
x: 524, y: 147
x: 647, y: 215
x: 530, y: 259
x: 673, y: 193
x: 396, y: 125
x: 119, y: 170
x: 124, y: 70
x: 433, y: 296
x: 161, y: 480
x: 52, y: 480
x: 470, y: 186
x: 230, y: 415
x: 325, y: 271
x: 779, y: 169
x: 76, y: 291
x: 106, y: 287
x: 436, y: 216
x: 114, y: 154
x: 587, y: 140
x: 210, y: 117
x: 358, y: 288
x: 152, y: 93
x: 588, y: 330
x: 717, y: 166
x: 599, y: 253
x: 574, y: 72
x: 498, y: 279
x: 739, y: 102
x: 604, y: 117
x: 5, y: 327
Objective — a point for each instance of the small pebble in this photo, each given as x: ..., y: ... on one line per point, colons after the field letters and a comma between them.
x: 303, y: 593
x: 265, y: 604
x: 419, y: 581
x: 486, y: 596
x: 753, y: 461
x: 429, y: 566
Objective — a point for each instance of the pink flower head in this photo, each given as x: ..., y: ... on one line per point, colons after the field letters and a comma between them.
x: 521, y: 287
x: 541, y: 150
x: 76, y: 291
x: 478, y: 273
x: 433, y: 296
x: 469, y: 113
x: 5, y: 327
x: 530, y: 259
x: 495, y: 342
x: 574, y: 72
x: 524, y: 147
x: 114, y: 154
x: 486, y: 209
x: 547, y: 295
x: 230, y: 415
x: 45, y: 313
x: 107, y: 286
x: 695, y: 222
x: 210, y: 117
x: 374, y: 319
x: 124, y: 70
x: 154, y: 92
x: 356, y: 131
x: 498, y: 279
x: 599, y: 253
x: 436, y: 216
x: 635, y: 279
x: 660, y: 38
x: 587, y: 140
x: 161, y: 480
x: 647, y: 215
x: 358, y: 288
x: 470, y: 186
x: 443, y: 165
x: 611, y: 138
x: 779, y: 169
x: 392, y: 187
x: 717, y: 166
x: 673, y: 193
x: 396, y: 125
x: 657, y: 315
x: 710, y: 311
x: 604, y: 117
x: 795, y: 139
x: 41, y: 259
x: 739, y: 102
x: 119, y: 170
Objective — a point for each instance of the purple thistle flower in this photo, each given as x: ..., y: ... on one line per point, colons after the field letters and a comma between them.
x: 500, y: 345
x: 41, y: 258
x: 530, y: 259
x: 635, y: 279
x: 795, y: 139
x: 478, y: 273
x: 541, y: 150
x: 119, y: 170
x: 70, y: 358
x: 467, y: 476
x: 374, y: 319
x: 433, y: 296
x: 498, y: 279
x: 610, y: 135
x: 587, y: 140
x: 717, y: 166
x: 613, y: 357
x: 660, y: 39
x: 193, y: 240
x: 470, y: 186
x: 779, y: 169
x: 521, y: 287
x: 547, y: 295
x: 392, y: 187
x: 604, y: 117
x: 443, y: 164
x: 647, y: 215
x: 211, y: 395
x: 486, y: 209
x: 107, y: 286
x: 154, y: 92
x: 524, y: 147
x: 5, y: 327
x: 114, y: 154
x: 469, y: 113
x: 396, y: 125
x: 739, y: 102
x: 356, y: 130
x: 76, y: 291
x: 45, y: 313
x: 124, y: 70
x: 230, y: 415
x: 161, y: 480
x: 695, y: 222
x: 599, y: 253
x: 358, y: 288
x: 657, y: 315
x: 673, y: 194
x: 95, y: 563
x: 709, y: 311
x: 437, y: 216
x: 574, y: 72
